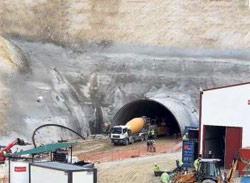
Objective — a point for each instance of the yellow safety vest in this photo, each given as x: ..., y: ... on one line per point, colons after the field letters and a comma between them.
x: 180, y: 163
x: 196, y: 164
x: 156, y: 168
x: 164, y: 178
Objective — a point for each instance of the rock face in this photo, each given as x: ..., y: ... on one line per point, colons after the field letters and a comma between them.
x: 12, y: 58
x: 189, y: 23
x: 83, y: 88
x: 12, y: 63
x: 101, y: 64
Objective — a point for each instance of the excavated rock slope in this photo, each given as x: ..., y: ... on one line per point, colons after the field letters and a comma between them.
x: 83, y: 88
x: 77, y: 62
x: 178, y: 23
x: 12, y: 62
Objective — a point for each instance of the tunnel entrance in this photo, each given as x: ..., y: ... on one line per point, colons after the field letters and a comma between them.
x: 158, y: 114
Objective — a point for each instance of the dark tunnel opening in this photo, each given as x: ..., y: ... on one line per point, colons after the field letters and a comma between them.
x: 158, y: 114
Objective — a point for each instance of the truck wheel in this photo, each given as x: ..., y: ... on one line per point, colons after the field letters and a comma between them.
x: 126, y: 142
x: 208, y: 181
x: 132, y: 140
x: 143, y: 138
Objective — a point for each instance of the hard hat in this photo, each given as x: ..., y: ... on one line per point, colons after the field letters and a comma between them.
x: 155, y: 163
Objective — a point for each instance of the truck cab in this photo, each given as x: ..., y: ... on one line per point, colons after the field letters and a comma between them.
x: 120, y: 135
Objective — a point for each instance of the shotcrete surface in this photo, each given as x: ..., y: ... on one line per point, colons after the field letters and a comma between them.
x: 84, y: 87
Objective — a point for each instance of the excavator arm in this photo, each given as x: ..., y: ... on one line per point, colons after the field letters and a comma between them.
x: 9, y: 146
x: 231, y: 173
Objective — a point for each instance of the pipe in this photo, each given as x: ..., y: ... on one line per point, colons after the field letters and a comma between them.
x: 46, y: 125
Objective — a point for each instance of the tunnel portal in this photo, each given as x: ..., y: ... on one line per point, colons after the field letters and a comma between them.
x: 158, y: 114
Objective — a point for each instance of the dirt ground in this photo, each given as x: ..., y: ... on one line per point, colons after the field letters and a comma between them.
x: 101, y: 150
x: 102, y: 143
x: 135, y: 170
x: 131, y: 170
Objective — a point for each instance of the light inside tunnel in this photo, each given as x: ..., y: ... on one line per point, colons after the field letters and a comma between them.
x: 158, y: 114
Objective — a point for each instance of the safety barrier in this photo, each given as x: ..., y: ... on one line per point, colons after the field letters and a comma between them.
x: 114, y: 155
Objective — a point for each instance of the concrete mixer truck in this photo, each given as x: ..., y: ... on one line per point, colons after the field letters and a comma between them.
x: 132, y: 131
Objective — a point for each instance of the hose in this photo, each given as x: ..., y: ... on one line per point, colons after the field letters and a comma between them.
x: 56, y: 125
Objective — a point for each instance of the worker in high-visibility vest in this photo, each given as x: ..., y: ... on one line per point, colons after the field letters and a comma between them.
x: 185, y: 136
x: 165, y: 178
x: 152, y: 133
x: 156, y: 168
x: 179, y: 164
x: 197, y: 162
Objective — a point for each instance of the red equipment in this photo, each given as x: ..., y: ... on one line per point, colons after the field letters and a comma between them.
x: 8, y: 148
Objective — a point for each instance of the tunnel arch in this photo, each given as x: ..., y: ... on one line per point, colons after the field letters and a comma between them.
x: 176, y: 114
